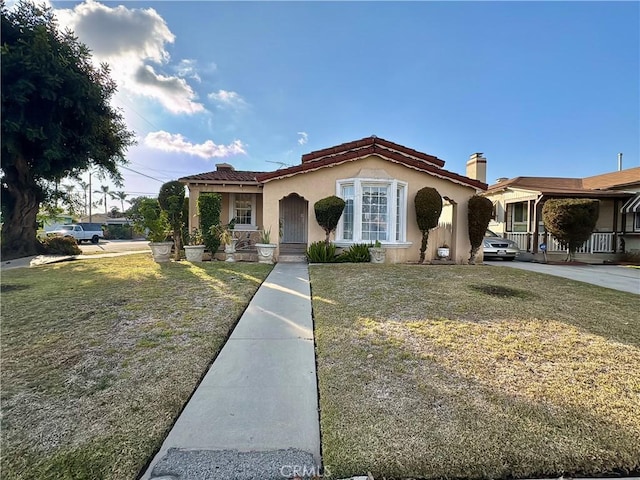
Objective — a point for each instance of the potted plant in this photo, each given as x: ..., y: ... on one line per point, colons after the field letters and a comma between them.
x: 153, y: 221
x: 194, y: 251
x: 378, y: 253
x: 225, y: 234
x: 443, y: 251
x: 265, y: 247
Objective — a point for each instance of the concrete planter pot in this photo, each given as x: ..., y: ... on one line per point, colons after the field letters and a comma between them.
x: 265, y: 252
x: 161, y: 251
x: 230, y: 250
x: 194, y: 253
x: 443, y: 252
x: 378, y: 254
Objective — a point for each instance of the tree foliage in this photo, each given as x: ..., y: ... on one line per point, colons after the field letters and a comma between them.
x: 428, y: 203
x: 479, y: 210
x: 171, y: 201
x: 209, y: 207
x: 56, y: 119
x: 571, y: 221
x: 328, y: 212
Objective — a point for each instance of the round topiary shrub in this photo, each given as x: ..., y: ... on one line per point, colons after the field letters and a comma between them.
x: 428, y: 203
x: 571, y: 221
x: 328, y: 212
x: 479, y: 215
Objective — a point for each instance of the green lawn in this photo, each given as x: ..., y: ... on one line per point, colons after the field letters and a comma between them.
x: 99, y: 356
x: 474, y: 372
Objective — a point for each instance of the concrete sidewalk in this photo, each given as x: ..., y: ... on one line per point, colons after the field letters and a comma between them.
x: 617, y: 277
x: 255, y: 414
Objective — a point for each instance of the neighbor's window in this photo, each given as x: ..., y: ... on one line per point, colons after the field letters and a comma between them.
x: 636, y: 222
x: 374, y: 210
x: 517, y: 217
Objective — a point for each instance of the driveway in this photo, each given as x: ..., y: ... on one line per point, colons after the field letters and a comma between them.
x: 617, y: 277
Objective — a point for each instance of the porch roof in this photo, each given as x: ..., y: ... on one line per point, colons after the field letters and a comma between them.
x: 385, y: 149
x: 224, y: 177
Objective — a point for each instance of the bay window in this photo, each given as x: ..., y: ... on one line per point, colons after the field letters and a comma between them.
x: 374, y: 210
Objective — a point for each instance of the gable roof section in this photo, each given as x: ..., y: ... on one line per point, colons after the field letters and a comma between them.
x: 599, y: 185
x: 224, y: 177
x: 620, y: 179
x: 358, y: 149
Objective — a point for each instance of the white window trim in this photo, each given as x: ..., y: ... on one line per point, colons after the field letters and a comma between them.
x: 392, y: 191
x: 232, y: 211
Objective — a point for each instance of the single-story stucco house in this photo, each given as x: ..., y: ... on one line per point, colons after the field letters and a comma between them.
x: 378, y: 180
x: 518, y: 206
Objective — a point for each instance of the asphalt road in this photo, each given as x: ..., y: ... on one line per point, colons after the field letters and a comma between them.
x: 114, y: 246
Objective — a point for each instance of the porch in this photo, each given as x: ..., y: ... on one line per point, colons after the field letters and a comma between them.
x: 599, y: 242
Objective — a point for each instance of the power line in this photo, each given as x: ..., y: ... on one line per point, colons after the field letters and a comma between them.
x: 143, y: 174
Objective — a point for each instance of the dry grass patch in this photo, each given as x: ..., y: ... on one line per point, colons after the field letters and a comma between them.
x: 99, y: 356
x: 474, y: 372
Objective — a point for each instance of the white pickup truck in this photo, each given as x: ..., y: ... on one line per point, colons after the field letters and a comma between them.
x: 80, y: 231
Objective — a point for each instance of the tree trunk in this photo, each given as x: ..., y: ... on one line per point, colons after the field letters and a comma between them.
x: 22, y: 196
x: 472, y: 256
x: 423, y: 246
x: 327, y: 239
x: 177, y: 244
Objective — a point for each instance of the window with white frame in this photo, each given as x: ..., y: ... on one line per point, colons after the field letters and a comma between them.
x: 374, y: 210
x: 243, y: 210
x: 636, y: 222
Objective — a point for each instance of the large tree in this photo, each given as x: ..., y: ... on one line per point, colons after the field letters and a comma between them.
x: 56, y: 119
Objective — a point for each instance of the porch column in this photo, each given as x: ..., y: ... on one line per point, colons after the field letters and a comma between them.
x: 615, y: 225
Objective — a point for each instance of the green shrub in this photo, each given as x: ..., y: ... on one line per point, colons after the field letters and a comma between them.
x: 479, y: 216
x: 428, y: 205
x: 356, y: 253
x: 571, y: 221
x: 328, y: 212
x: 320, y: 252
x: 61, y: 246
x: 209, y: 207
x: 118, y: 232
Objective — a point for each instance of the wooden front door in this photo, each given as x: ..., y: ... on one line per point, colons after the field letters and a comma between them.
x: 293, y: 216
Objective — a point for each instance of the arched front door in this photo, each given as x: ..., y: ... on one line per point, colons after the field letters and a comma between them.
x: 293, y: 221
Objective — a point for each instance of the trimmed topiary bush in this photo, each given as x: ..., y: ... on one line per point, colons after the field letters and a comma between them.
x: 209, y: 207
x: 61, y: 246
x: 479, y: 216
x: 171, y: 200
x: 428, y: 203
x: 328, y: 212
x: 571, y: 221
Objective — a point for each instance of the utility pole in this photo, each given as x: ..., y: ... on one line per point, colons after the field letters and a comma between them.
x: 89, y: 196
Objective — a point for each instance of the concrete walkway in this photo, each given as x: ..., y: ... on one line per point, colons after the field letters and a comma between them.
x: 255, y: 414
x: 617, y: 277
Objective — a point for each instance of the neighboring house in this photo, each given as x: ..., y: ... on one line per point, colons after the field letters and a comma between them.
x: 378, y: 180
x: 518, y: 206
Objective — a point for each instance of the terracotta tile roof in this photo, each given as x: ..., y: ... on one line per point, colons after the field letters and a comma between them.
x: 619, y: 179
x: 223, y: 176
x: 367, y: 142
x: 372, y: 146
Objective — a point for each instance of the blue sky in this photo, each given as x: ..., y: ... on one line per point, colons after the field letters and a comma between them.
x: 542, y: 88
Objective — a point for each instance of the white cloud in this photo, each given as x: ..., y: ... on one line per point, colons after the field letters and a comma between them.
x: 128, y: 39
x: 304, y: 137
x: 187, y: 69
x: 175, y: 142
x: 227, y: 98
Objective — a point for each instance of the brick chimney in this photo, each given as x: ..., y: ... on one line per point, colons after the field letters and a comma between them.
x: 477, y: 167
x: 224, y: 167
